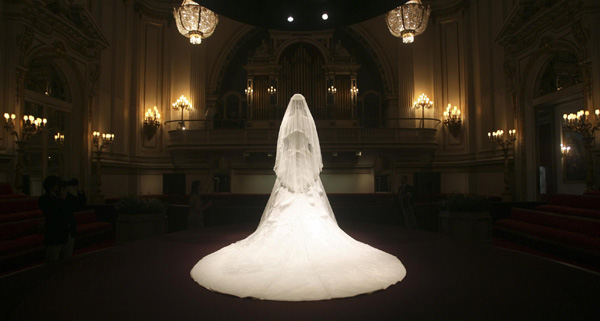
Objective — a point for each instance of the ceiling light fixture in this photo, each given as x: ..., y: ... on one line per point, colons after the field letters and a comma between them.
x: 325, y: 16
x: 408, y: 20
x: 290, y: 19
x: 194, y: 21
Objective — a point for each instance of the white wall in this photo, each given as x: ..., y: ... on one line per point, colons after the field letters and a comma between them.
x: 114, y: 185
x: 348, y: 183
x: 454, y: 183
x: 252, y: 183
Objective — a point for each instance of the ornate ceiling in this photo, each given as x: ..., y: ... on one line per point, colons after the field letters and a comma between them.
x: 307, y: 14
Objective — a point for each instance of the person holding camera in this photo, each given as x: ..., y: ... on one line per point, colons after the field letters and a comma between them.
x: 60, y: 226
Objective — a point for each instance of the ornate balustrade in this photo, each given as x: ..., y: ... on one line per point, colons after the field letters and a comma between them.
x: 266, y: 139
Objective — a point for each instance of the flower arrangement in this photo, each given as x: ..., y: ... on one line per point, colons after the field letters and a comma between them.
x: 139, y: 205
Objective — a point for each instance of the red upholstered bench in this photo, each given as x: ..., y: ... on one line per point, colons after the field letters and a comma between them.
x: 21, y: 236
x: 89, y: 230
x: 576, y: 201
x: 18, y: 205
x: 21, y: 216
x: 576, y: 232
x: 571, y: 211
x: 581, y: 225
x: 551, y: 234
x: 6, y: 192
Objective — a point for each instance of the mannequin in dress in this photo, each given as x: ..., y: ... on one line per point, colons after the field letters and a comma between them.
x: 298, y: 252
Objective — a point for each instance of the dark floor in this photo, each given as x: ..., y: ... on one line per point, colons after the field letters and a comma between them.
x: 446, y: 280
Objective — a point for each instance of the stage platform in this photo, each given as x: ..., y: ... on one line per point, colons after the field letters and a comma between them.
x: 446, y: 280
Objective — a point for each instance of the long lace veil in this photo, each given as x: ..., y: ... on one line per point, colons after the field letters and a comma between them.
x: 298, y: 162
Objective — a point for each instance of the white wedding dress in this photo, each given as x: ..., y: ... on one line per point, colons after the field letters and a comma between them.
x: 298, y: 252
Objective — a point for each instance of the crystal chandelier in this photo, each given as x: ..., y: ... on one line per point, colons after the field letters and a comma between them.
x: 408, y: 20
x: 194, y: 21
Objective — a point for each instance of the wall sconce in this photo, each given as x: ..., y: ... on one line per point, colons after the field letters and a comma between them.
x: 31, y: 126
x: 497, y: 138
x: 583, y: 124
x: 272, y: 90
x: 151, y: 122
x: 100, y: 141
x: 422, y: 103
x: 59, y: 139
x: 249, y: 91
x: 107, y: 140
x: 332, y: 90
x: 182, y: 104
x: 565, y: 151
x: 452, y: 120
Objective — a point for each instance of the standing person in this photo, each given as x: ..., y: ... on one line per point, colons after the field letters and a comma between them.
x: 405, y: 201
x: 60, y: 221
x: 405, y: 191
x: 195, y: 217
x: 75, y: 195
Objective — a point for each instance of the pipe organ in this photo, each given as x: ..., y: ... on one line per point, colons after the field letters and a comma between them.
x: 310, y: 66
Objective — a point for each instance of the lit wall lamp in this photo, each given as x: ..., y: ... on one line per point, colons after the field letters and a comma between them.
x: 332, y: 90
x: 272, y: 90
x: 59, y: 139
x: 151, y: 122
x: 249, y: 91
x: 497, y: 138
x: 422, y: 103
x: 586, y: 126
x: 182, y: 104
x: 100, y: 141
x: 30, y: 126
x: 353, y: 92
x: 452, y: 120
x: 565, y: 151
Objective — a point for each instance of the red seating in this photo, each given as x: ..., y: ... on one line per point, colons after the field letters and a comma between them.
x: 21, y: 216
x: 18, y: 205
x: 572, y: 211
x: 6, y: 192
x: 575, y: 201
x: 589, y: 227
x: 22, y: 235
x: 569, y: 238
x: 570, y: 224
x: 19, y: 236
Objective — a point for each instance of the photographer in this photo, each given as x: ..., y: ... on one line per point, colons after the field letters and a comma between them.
x: 75, y: 195
x: 57, y: 207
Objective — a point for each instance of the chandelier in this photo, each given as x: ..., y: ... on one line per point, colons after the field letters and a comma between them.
x: 408, y: 20
x: 194, y: 21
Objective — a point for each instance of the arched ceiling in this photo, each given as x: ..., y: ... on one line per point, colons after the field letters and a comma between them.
x: 273, y: 14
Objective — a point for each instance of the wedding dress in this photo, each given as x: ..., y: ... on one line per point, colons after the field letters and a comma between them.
x: 298, y: 252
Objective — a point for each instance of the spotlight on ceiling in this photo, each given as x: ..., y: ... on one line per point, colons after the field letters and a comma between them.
x: 325, y: 16
x: 290, y: 19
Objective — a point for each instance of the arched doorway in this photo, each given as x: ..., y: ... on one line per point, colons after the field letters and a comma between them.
x: 558, y: 90
x: 47, y: 95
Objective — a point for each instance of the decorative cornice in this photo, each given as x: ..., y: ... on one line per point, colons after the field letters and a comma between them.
x: 163, y: 12
x: 76, y: 26
x: 529, y: 18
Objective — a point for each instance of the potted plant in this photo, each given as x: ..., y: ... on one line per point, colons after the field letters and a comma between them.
x: 140, y: 218
x: 466, y: 217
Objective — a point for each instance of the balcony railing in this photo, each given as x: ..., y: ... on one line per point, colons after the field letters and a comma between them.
x: 330, y: 138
